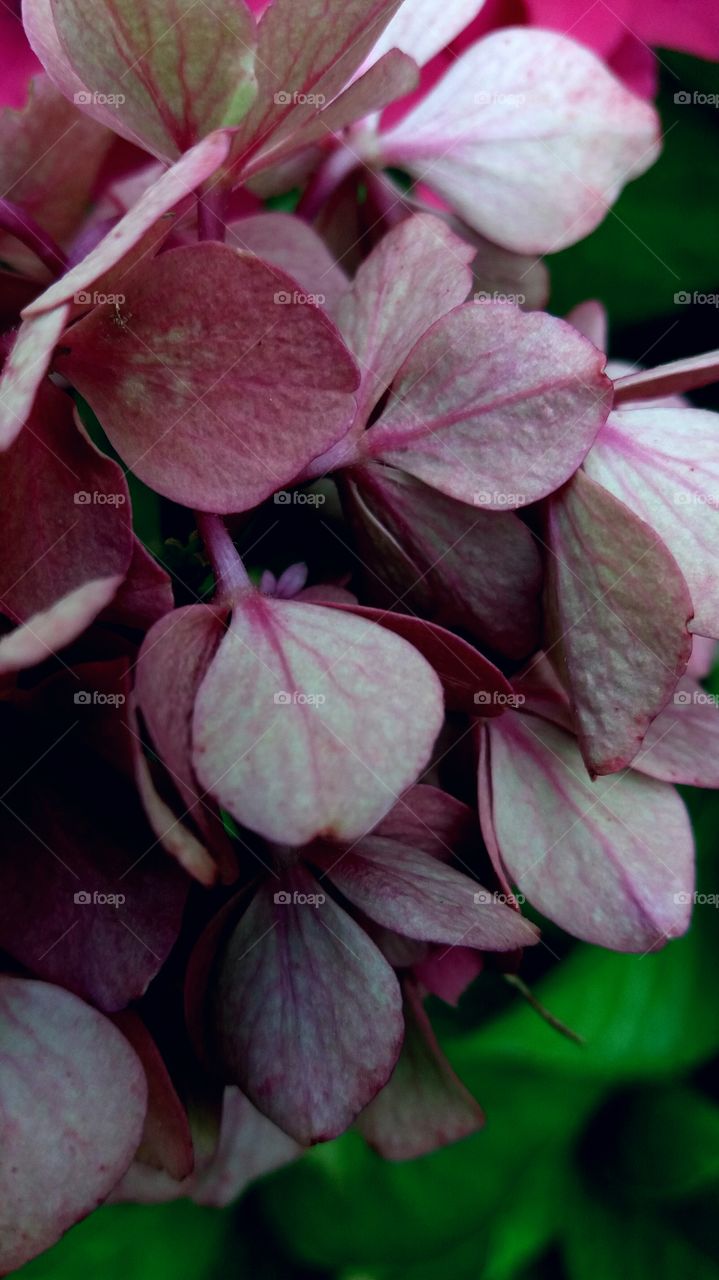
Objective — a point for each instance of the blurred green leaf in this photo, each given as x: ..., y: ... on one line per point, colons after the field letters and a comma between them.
x: 342, y: 1206
x: 602, y: 1242
x: 140, y: 1242
x: 657, y: 1144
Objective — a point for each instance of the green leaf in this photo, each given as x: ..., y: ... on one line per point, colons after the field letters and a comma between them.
x: 136, y: 1242
x: 602, y: 1242
x: 342, y: 1206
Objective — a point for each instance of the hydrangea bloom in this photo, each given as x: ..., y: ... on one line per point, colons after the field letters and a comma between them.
x: 218, y: 779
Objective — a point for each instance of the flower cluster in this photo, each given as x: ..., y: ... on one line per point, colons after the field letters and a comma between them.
x: 345, y: 590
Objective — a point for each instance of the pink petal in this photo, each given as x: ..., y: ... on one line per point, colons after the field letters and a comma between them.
x: 166, y: 1138
x: 69, y: 1083
x: 470, y: 568
x: 425, y: 1105
x: 617, y: 622
x: 138, y: 226
x: 609, y: 861
x: 65, y: 510
x: 422, y: 28
x: 173, y: 660
x: 420, y: 897
x: 446, y: 973
x: 417, y: 273
x: 50, y: 156
x: 46, y: 632
x: 393, y: 76
x: 177, y: 75
x: 549, y: 153
x: 664, y: 464
x: 590, y: 318
x: 494, y: 406
x: 468, y: 678
x: 25, y: 369
x: 682, y: 744
x: 680, y: 24
x: 188, y: 391
x: 311, y: 721
x: 680, y: 375
x: 290, y: 244
x: 304, y: 60
x: 89, y: 903
x: 309, y: 1014
x: 144, y: 596
x: 19, y: 62
x: 431, y: 820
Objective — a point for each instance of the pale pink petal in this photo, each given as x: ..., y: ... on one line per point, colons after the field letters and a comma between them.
x: 610, y: 861
x: 617, y: 621
x: 311, y: 721
x: 72, y: 1098
x: 309, y: 1017
x: 416, y: 274
x: 48, y: 631
x: 667, y: 379
x: 682, y: 744
x: 25, y: 370
x: 468, y: 678
x: 166, y: 1138
x: 422, y: 28
x: 494, y: 406
x: 664, y: 464
x: 590, y: 318
x: 548, y: 153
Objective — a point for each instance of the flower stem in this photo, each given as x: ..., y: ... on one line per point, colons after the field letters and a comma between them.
x: 231, y: 575
x: 19, y: 224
